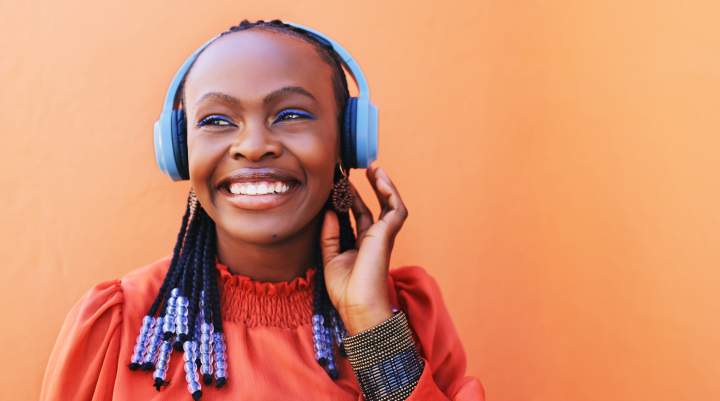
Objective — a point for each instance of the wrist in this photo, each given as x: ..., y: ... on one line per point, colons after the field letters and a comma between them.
x: 385, y: 359
x: 361, y: 319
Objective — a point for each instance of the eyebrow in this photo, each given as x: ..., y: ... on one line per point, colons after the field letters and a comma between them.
x: 269, y: 98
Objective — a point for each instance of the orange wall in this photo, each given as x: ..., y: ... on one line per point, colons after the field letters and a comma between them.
x: 559, y: 160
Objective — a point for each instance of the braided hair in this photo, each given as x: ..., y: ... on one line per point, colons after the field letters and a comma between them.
x: 186, y: 314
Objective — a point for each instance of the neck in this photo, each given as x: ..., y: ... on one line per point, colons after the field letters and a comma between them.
x: 275, y: 262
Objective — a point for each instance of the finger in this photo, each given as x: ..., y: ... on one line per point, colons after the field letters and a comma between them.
x: 396, y: 211
x: 386, y: 192
x: 363, y: 215
x: 372, y: 177
x: 330, y: 237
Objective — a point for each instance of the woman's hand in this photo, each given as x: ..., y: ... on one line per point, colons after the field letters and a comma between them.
x: 356, y: 279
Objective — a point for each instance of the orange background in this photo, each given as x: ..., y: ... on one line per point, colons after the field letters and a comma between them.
x: 559, y: 160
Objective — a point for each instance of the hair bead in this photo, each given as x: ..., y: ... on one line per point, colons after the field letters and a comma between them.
x: 191, y: 374
x: 139, y: 349
x: 339, y: 331
x: 219, y: 350
x: 169, y: 320
x: 153, y: 344
x: 162, y: 364
x: 206, y: 351
x: 181, y: 321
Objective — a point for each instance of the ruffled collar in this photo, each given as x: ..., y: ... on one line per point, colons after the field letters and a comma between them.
x: 285, y: 304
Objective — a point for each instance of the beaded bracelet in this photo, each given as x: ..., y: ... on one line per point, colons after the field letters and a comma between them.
x: 385, y: 359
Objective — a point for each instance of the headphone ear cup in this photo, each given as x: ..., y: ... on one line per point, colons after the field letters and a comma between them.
x: 349, y: 134
x: 165, y: 153
x: 179, y: 136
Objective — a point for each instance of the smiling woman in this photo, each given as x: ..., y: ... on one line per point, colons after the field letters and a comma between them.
x: 269, y: 292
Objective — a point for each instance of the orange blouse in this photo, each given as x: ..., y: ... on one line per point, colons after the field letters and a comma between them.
x: 269, y: 343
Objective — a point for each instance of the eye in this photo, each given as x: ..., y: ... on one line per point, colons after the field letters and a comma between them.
x: 293, y: 114
x: 216, y: 120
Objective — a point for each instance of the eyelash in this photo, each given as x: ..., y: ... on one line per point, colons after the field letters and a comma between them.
x: 209, y: 119
x: 284, y: 115
x: 302, y: 115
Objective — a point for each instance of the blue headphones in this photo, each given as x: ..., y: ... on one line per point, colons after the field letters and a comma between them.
x: 359, y: 131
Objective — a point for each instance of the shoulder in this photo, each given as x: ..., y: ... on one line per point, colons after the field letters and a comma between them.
x: 141, y: 285
x: 132, y: 293
x: 97, y: 331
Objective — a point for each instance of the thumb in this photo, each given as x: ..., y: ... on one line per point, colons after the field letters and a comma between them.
x: 330, y: 237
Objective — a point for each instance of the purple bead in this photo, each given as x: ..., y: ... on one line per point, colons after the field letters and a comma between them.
x: 191, y: 374
x: 163, y: 360
x: 153, y: 343
x: 141, y: 340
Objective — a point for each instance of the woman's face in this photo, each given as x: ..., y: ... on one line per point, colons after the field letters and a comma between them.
x: 262, y: 134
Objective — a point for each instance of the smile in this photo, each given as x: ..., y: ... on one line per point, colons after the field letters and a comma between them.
x: 258, y: 188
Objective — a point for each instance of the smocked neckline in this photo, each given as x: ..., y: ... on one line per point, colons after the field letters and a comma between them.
x: 253, y: 303
x: 265, y: 288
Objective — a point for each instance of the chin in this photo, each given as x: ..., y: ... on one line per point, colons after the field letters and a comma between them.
x: 260, y: 234
x: 262, y: 229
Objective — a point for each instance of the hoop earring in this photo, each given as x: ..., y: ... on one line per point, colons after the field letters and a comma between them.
x: 341, y: 195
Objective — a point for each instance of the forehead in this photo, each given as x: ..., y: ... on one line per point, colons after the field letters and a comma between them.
x: 249, y: 64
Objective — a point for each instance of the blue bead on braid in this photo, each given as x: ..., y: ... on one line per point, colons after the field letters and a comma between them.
x: 192, y: 377
x: 206, y: 351
x: 161, y: 366
x: 139, y: 349
x: 339, y: 331
x: 181, y: 318
x: 169, y: 319
x: 220, y: 359
x: 318, y: 341
x: 205, y: 337
x: 196, y: 334
x: 153, y: 344
x: 328, y: 338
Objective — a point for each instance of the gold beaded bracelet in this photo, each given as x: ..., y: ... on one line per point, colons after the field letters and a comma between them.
x: 385, y: 359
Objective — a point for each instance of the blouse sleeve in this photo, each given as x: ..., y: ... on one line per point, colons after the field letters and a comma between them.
x: 443, y: 377
x: 84, y: 361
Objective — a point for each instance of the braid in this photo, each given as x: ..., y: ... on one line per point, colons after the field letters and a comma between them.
x: 185, y: 284
x: 208, y: 266
x: 196, y: 274
x: 215, y: 301
x: 171, y: 274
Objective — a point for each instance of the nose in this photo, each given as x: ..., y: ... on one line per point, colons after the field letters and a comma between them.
x: 254, y: 143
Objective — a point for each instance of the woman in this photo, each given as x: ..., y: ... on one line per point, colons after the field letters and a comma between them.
x: 268, y: 294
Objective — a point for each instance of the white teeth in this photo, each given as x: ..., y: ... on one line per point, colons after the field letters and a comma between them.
x: 234, y: 188
x: 260, y: 188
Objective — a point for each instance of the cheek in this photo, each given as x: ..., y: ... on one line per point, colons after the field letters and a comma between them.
x: 318, y: 155
x: 203, y: 157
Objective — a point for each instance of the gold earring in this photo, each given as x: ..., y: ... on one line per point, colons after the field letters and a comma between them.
x: 342, y: 196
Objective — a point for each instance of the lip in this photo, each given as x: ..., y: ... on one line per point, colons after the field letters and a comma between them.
x: 258, y: 202
x: 258, y: 174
